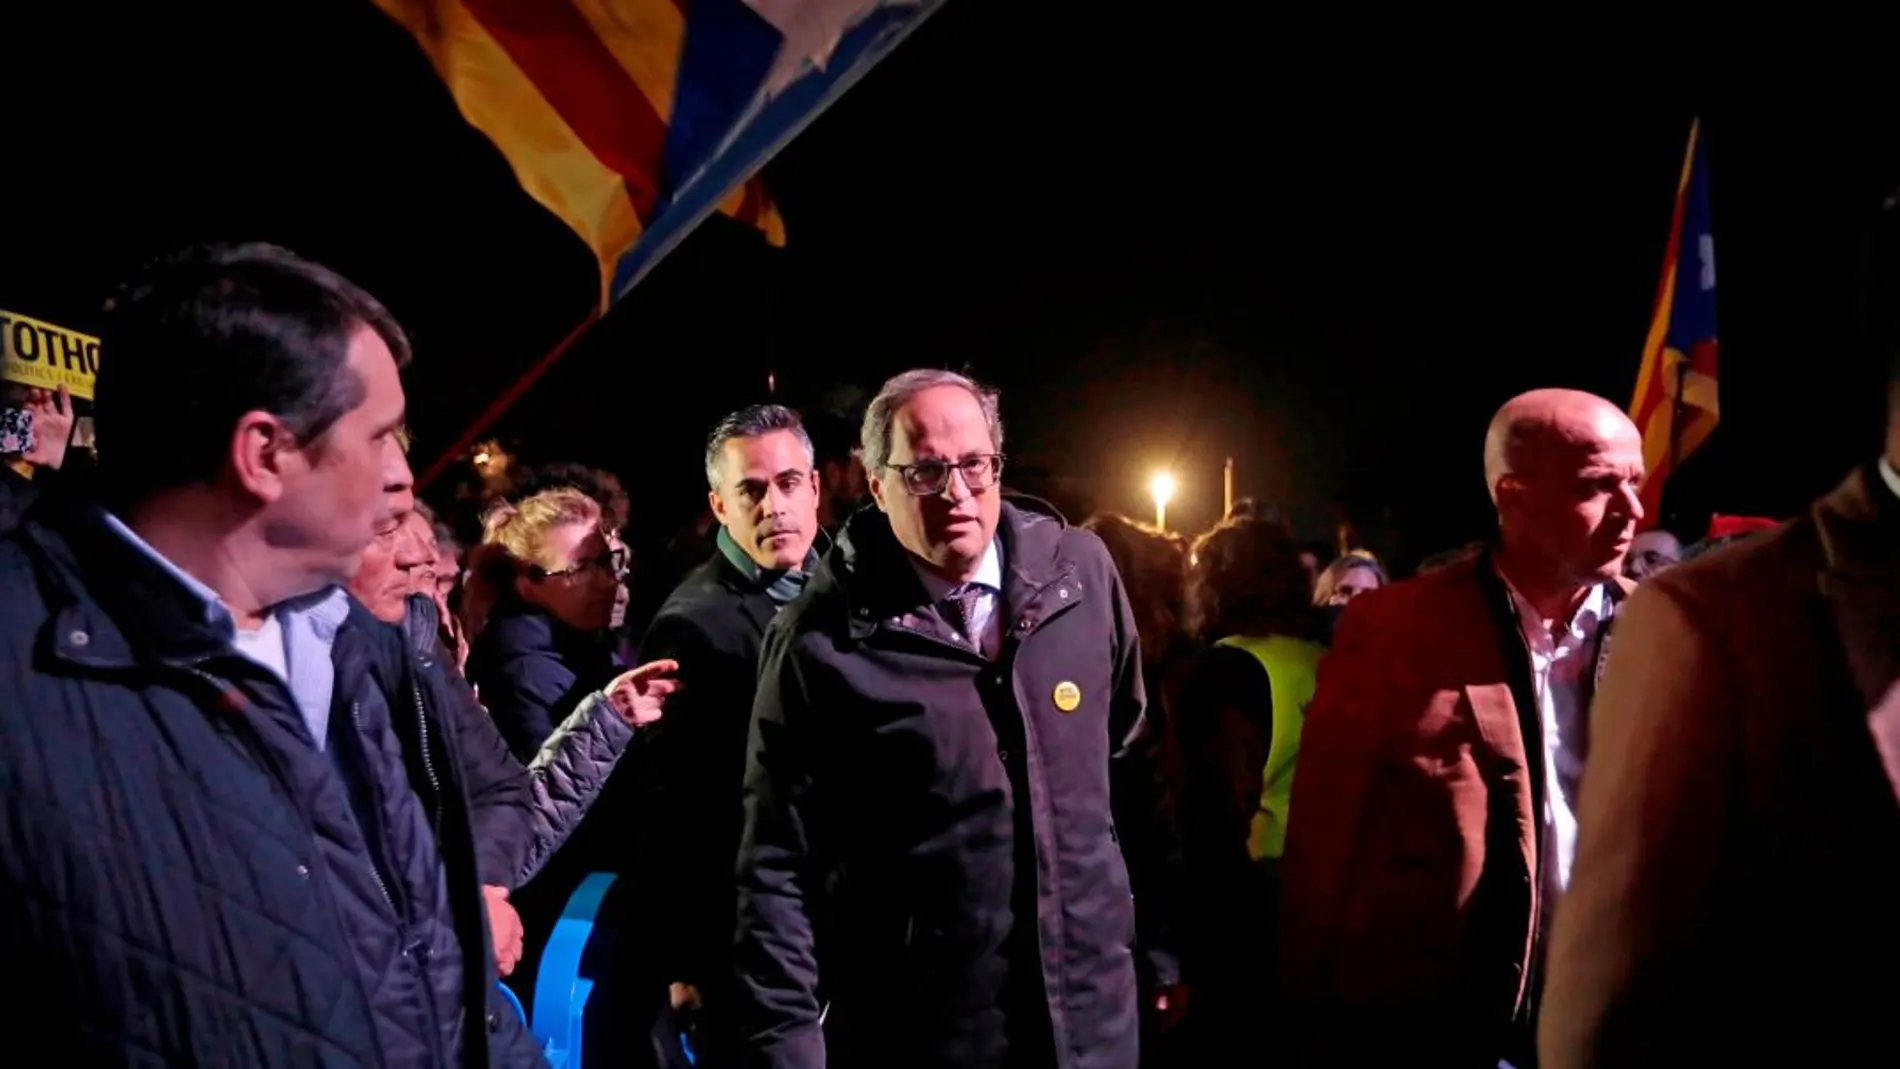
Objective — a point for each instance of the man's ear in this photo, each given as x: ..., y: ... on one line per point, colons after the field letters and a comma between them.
x: 262, y: 453
x: 718, y: 506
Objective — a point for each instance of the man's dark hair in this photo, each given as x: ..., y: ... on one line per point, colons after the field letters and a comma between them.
x: 1246, y: 579
x: 751, y: 422
x: 205, y: 335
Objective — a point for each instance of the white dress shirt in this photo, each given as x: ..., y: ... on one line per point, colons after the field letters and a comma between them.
x: 1890, y: 476
x: 1562, y: 660
x: 984, y: 619
x: 293, y: 644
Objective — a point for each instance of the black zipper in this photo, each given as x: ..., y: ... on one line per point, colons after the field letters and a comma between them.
x: 428, y: 764
x: 422, y: 952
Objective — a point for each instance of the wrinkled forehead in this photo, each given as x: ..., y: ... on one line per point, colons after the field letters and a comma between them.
x: 943, y: 421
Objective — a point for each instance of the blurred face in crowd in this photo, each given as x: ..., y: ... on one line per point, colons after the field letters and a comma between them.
x: 1570, y: 499
x: 448, y: 568
x: 1309, y: 560
x: 947, y: 526
x: 843, y: 487
x: 577, y: 583
x: 1651, y: 552
x: 399, y: 562
x: 622, y: 596
x: 421, y: 536
x: 325, y: 500
x: 1352, y: 583
x: 767, y: 499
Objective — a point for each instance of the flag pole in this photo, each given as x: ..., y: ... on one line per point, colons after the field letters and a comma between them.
x: 504, y: 402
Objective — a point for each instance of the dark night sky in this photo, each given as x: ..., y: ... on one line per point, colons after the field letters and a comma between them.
x: 1170, y: 233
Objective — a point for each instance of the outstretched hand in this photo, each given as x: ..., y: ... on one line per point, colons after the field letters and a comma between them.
x: 640, y: 696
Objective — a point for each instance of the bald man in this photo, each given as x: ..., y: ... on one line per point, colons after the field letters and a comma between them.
x: 1433, y: 815
x: 1737, y: 899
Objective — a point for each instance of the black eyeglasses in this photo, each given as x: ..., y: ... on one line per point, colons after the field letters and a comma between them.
x: 614, y: 566
x: 929, y: 477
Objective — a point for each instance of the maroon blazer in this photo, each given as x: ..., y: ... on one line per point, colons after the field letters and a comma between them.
x: 1409, y: 920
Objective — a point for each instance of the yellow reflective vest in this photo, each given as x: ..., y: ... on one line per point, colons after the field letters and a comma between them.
x: 1292, y: 667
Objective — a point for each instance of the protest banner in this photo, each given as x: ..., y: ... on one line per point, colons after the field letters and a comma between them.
x: 38, y: 353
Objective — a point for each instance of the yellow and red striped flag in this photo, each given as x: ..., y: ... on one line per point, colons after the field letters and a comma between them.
x: 1676, y: 404
x: 633, y: 119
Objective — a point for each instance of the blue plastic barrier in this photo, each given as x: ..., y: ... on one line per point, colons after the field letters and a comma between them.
x: 560, y: 991
x: 513, y: 1001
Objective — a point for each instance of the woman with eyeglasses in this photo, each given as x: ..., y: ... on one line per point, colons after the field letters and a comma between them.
x: 543, y: 584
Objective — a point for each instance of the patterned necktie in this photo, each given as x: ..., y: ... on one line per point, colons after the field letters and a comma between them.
x: 962, y: 602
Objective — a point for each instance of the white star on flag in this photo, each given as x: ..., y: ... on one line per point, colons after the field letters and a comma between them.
x: 811, y: 28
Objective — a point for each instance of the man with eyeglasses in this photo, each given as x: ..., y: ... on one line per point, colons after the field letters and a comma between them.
x: 939, y: 722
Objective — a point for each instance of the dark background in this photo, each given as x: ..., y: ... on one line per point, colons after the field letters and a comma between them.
x: 1170, y: 233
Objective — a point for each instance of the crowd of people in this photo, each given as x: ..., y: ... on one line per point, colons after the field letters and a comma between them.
x: 908, y: 770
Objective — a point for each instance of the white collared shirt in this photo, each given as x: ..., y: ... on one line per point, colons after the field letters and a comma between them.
x: 1561, y: 666
x: 1890, y: 476
x: 984, y: 619
x: 293, y: 644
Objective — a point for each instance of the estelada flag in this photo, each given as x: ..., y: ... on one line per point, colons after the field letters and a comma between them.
x: 1676, y: 405
x: 632, y: 120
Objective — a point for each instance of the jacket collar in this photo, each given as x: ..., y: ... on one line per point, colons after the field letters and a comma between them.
x: 749, y: 597
x: 873, y: 572
x: 1858, y: 526
x: 111, y: 605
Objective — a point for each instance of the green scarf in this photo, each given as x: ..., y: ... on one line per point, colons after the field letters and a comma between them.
x: 781, y: 587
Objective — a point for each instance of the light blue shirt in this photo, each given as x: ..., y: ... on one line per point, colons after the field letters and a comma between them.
x: 294, y: 644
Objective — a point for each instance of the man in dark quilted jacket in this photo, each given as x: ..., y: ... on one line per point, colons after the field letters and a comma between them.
x: 234, y: 823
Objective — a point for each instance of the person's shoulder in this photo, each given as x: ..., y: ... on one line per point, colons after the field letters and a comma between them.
x: 1039, y: 529
x: 697, y: 606
x: 817, y: 622
x: 19, y: 591
x: 16, y: 565
x: 1756, y: 574
x: 1421, y: 601
x: 699, y: 588
x: 513, y: 635
x: 1079, y: 544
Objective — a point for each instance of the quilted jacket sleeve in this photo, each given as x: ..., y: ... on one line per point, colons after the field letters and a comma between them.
x: 567, y: 775
x: 523, y: 814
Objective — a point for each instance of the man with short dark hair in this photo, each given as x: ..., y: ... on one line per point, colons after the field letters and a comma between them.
x: 1740, y: 858
x: 763, y: 489
x: 939, y: 720
x: 234, y: 829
